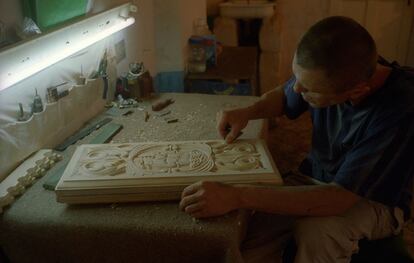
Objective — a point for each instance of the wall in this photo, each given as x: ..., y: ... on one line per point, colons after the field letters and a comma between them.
x: 16, y: 146
x: 146, y: 34
x: 389, y: 22
x: 10, y: 15
x: 158, y: 38
x: 139, y: 39
x: 213, y: 7
x: 296, y: 17
x: 174, y: 21
x: 168, y: 32
x: 173, y: 26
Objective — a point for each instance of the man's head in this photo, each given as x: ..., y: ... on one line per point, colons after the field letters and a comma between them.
x: 334, y: 61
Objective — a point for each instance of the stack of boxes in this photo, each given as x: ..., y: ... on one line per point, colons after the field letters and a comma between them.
x: 226, y: 31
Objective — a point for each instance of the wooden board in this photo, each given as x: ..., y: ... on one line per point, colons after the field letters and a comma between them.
x: 155, y: 171
x: 81, y: 134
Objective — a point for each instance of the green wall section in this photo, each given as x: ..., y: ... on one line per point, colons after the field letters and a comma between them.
x: 49, y: 13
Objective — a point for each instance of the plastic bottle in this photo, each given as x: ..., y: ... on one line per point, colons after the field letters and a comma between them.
x: 197, y: 56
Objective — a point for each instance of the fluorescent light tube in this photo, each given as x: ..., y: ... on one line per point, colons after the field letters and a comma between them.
x: 22, y: 61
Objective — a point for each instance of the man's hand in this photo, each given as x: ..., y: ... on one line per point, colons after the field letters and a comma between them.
x: 231, y: 122
x: 207, y: 199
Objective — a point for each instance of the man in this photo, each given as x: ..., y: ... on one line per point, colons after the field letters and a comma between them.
x: 360, y: 165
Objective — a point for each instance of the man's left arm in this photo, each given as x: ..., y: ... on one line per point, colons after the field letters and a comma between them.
x: 206, y: 199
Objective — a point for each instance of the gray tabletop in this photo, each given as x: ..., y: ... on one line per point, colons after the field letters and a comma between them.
x: 35, y: 228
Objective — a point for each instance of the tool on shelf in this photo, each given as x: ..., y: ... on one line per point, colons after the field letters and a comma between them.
x: 52, y: 94
x: 37, y: 105
x: 22, y: 115
x: 103, y: 64
x: 81, y: 79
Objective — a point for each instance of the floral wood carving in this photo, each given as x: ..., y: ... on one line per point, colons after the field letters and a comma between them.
x: 173, y: 158
x: 159, y: 171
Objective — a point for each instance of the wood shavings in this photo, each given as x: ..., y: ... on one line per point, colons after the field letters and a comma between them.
x: 170, y: 119
x: 195, y: 122
x: 163, y: 113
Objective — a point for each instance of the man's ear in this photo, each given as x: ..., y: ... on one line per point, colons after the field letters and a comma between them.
x: 359, y: 90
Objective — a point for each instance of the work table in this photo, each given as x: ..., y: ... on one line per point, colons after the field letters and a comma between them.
x: 35, y: 228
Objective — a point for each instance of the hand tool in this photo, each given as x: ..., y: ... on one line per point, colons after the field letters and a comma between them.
x: 162, y: 104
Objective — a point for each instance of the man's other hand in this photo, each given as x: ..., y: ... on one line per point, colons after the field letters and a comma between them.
x: 207, y: 199
x: 231, y: 122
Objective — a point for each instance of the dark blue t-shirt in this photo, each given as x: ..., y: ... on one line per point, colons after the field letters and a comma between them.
x: 369, y: 148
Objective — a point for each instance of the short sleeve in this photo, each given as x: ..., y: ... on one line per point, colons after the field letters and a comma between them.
x: 294, y: 104
x: 380, y: 167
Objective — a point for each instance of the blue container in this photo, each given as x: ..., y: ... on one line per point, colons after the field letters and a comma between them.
x: 169, y: 81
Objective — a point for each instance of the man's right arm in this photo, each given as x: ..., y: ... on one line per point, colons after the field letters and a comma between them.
x: 270, y: 105
x: 231, y: 122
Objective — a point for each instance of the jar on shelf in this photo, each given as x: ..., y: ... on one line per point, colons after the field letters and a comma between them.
x: 197, y: 55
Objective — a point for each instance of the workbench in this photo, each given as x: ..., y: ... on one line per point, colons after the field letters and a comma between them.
x: 35, y: 228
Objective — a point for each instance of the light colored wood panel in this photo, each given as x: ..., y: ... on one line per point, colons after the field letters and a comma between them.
x: 135, y: 171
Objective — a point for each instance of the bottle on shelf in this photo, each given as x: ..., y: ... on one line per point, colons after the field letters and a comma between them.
x: 197, y: 56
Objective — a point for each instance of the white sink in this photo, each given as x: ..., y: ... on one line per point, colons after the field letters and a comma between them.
x: 247, y: 9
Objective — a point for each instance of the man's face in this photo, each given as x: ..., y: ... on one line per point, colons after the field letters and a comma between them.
x: 316, y: 88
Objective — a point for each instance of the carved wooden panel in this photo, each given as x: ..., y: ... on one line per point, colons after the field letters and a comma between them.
x: 159, y: 171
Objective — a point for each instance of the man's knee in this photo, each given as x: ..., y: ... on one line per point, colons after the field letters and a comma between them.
x: 323, y: 239
x: 312, y: 231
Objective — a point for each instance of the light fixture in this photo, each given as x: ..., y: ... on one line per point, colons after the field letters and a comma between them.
x: 25, y: 59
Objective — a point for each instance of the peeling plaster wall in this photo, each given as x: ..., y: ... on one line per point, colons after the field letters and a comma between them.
x: 296, y: 17
x: 174, y: 20
x: 168, y: 33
